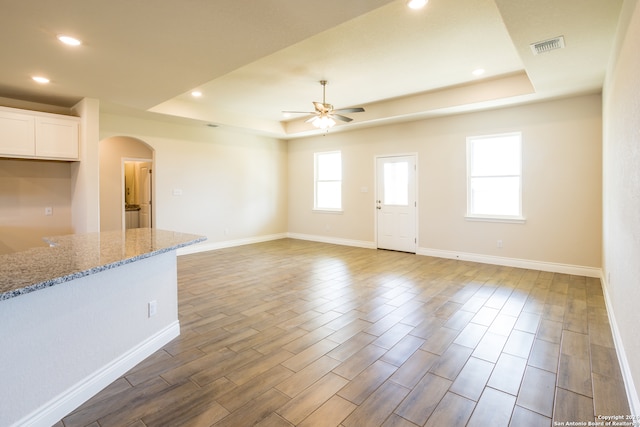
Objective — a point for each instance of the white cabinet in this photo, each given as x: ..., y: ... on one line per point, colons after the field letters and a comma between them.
x: 34, y: 135
x: 17, y: 134
x: 57, y: 138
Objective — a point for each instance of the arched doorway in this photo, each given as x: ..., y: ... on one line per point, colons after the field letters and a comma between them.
x: 126, y: 186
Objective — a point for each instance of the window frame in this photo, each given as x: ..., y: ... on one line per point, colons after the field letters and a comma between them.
x: 519, y: 218
x: 317, y: 208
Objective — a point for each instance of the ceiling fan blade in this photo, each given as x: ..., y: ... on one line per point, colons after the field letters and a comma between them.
x: 339, y: 117
x: 310, y: 119
x: 350, y: 110
x: 300, y: 112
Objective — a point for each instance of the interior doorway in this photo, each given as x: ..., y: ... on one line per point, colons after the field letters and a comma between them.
x: 396, y: 203
x: 137, y: 184
x: 114, y: 152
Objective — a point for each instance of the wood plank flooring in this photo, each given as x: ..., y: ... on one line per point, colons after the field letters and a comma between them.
x: 296, y: 333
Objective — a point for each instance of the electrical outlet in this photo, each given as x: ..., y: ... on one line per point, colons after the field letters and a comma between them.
x: 48, y: 211
x: 153, y: 308
x: 499, y: 244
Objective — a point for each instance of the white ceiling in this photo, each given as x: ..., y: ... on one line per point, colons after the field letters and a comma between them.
x: 252, y: 59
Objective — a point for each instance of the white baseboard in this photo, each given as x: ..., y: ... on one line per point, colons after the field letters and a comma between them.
x: 63, y: 404
x: 333, y: 240
x: 553, y: 267
x: 632, y: 392
x: 211, y: 246
x: 513, y: 262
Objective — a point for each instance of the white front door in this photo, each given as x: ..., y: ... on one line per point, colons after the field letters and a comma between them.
x: 396, y: 203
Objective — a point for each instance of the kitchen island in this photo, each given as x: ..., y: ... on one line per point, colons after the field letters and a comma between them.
x: 76, y: 315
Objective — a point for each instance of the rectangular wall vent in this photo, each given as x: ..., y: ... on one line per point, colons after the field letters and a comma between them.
x: 547, y: 45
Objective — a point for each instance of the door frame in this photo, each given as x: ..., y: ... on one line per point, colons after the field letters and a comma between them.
x: 123, y: 160
x: 375, y: 186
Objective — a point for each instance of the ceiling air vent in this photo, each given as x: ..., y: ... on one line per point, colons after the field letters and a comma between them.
x: 547, y: 45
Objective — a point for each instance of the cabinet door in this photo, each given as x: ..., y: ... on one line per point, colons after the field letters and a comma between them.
x: 17, y: 135
x: 57, y: 138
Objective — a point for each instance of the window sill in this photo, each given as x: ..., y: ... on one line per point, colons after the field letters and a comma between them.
x: 506, y: 219
x: 328, y: 211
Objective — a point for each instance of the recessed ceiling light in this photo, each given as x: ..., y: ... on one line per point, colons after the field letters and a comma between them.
x: 286, y: 115
x: 196, y: 93
x: 68, y: 40
x: 40, y: 79
x: 417, y: 4
x: 478, y: 72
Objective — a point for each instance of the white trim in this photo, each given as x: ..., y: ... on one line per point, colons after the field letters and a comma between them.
x: 328, y: 211
x: 333, y: 240
x: 438, y: 253
x: 506, y: 219
x: 630, y: 388
x: 211, y: 246
x: 61, y: 405
x: 553, y: 267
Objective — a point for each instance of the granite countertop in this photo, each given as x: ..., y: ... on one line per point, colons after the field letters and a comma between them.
x: 73, y: 256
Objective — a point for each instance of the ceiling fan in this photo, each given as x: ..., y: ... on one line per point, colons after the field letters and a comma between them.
x: 325, y: 116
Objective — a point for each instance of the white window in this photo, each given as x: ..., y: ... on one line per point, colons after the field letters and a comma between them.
x: 494, y: 177
x: 396, y: 183
x: 328, y: 181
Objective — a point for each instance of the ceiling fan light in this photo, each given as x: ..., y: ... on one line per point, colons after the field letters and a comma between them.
x: 323, y: 122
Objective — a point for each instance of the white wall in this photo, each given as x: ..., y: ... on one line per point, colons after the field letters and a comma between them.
x: 85, y: 186
x: 621, y: 195
x: 223, y: 184
x: 562, y: 182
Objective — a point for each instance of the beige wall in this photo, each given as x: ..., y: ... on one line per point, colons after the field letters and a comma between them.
x: 113, y: 151
x: 561, y: 182
x: 26, y: 188
x: 621, y: 190
x: 222, y: 184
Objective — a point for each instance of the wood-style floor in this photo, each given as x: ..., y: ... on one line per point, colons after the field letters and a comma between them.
x: 308, y: 334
